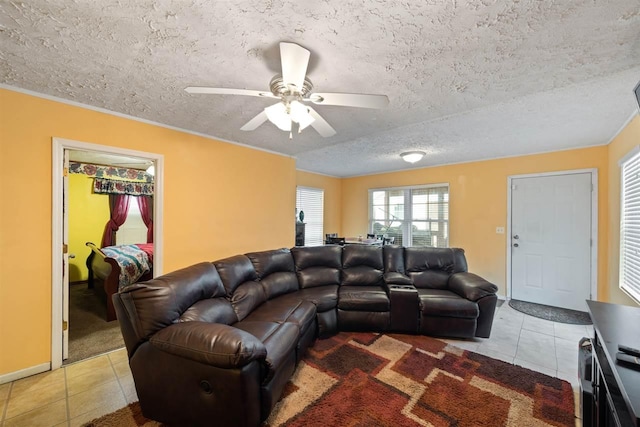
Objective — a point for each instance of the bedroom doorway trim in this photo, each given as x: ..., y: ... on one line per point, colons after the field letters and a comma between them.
x: 59, y: 146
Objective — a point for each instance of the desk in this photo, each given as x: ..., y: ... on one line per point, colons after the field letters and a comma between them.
x: 616, y: 388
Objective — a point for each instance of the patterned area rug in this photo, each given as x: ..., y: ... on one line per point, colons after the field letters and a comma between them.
x: 367, y: 379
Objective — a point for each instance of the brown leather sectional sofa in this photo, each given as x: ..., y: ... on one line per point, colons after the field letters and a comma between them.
x: 215, y: 343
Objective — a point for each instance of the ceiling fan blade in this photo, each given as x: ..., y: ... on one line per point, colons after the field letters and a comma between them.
x: 320, y: 124
x: 350, y: 100
x: 227, y: 91
x: 255, y: 122
x: 295, y: 60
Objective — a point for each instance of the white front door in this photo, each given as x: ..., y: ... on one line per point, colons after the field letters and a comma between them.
x: 551, y: 240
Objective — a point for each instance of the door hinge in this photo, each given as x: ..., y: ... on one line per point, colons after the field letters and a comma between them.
x: 513, y: 187
x: 65, y: 325
x: 65, y: 248
x: 65, y: 172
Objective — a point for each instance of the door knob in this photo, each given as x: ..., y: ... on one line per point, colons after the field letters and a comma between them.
x: 515, y: 245
x: 516, y: 237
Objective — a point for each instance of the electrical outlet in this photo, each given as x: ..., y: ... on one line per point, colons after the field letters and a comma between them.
x: 499, y: 230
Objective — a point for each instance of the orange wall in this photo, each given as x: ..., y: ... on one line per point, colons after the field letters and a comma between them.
x: 332, y: 197
x: 619, y: 147
x: 220, y: 199
x: 478, y: 203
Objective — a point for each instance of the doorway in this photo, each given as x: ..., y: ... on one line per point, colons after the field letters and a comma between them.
x: 60, y: 263
x: 552, y: 229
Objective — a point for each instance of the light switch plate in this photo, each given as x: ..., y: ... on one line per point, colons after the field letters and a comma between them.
x: 499, y: 230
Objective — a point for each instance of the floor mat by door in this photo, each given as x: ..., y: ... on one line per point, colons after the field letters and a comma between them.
x: 555, y: 314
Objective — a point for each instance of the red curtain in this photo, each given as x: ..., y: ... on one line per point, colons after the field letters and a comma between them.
x: 146, y: 211
x: 119, y: 208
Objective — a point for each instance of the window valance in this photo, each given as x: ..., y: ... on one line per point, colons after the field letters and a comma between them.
x: 132, y: 188
x: 109, y: 172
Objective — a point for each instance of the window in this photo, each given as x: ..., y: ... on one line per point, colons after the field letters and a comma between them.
x: 413, y: 216
x: 311, y: 202
x: 630, y: 224
x: 133, y: 230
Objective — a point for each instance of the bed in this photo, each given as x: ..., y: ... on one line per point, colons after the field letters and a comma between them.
x: 114, y: 267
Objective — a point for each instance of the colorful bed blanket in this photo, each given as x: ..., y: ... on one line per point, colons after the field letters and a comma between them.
x: 133, y: 261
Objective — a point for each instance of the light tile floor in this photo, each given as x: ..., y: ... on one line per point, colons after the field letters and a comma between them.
x: 80, y: 392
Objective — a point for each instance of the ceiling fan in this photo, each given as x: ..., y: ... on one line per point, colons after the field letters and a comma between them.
x: 294, y: 89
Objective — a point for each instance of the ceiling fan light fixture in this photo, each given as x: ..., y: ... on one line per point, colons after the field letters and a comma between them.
x: 412, y: 156
x: 277, y: 114
x: 300, y: 114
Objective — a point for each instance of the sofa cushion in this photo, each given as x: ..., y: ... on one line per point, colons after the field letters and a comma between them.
x: 280, y: 340
x: 318, y: 276
x: 393, y: 259
x: 279, y: 310
x: 358, y: 255
x: 362, y: 275
x: 443, y: 303
x: 431, y: 267
x: 324, y: 297
x: 275, y: 270
x: 235, y: 271
x: 363, y: 298
x: 240, y: 280
x: 362, y: 265
x: 210, y: 343
x: 212, y: 310
x: 317, y: 265
x: 159, y: 302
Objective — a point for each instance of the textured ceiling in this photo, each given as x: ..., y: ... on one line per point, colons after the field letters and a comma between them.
x: 467, y: 79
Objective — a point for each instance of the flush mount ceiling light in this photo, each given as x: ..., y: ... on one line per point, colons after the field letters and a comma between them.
x: 412, y: 156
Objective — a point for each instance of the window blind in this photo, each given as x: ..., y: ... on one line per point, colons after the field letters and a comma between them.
x: 311, y: 202
x: 630, y: 227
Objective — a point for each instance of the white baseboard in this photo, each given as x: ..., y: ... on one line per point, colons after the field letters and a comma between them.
x: 23, y: 373
x: 502, y: 297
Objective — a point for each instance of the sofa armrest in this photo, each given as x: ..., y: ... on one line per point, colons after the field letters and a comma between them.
x: 471, y: 286
x: 394, y: 278
x: 215, y: 344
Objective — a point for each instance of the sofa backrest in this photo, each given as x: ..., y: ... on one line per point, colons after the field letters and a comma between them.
x: 362, y: 265
x: 275, y: 271
x: 393, y: 258
x: 431, y: 267
x: 241, y: 283
x: 317, y: 265
x: 145, y: 308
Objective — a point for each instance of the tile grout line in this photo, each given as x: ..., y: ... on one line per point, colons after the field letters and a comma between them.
x: 66, y: 397
x: 118, y: 379
x: 6, y: 405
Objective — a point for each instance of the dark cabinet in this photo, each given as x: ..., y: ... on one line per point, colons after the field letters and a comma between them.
x: 300, y: 233
x: 616, y: 387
